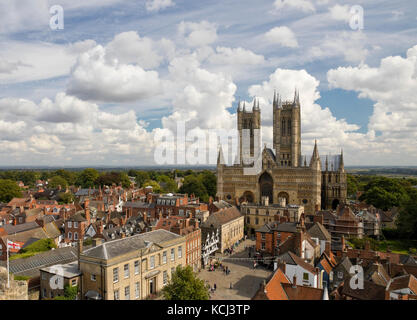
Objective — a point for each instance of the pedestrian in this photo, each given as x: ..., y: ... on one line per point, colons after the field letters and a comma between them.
x: 231, y: 286
x: 215, y: 287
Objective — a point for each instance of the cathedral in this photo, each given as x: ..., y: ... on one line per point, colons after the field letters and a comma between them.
x: 284, y: 176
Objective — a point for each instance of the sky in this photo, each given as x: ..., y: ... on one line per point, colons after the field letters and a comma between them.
x: 117, y: 74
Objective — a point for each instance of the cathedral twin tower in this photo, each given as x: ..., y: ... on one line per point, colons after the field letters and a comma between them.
x: 285, y: 177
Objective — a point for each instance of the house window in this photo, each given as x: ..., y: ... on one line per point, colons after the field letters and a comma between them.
x: 180, y: 251
x: 75, y: 235
x: 164, y: 257
x: 70, y: 235
x: 248, y: 220
x: 93, y: 277
x: 172, y: 254
x: 152, y: 262
x: 305, y: 276
x: 69, y: 224
x: 75, y: 224
x: 263, y: 236
x: 165, y: 277
x: 116, y: 295
x: 127, y: 293
x: 256, y: 221
x: 340, y: 274
x: 115, y: 275
x: 137, y: 290
x: 137, y: 267
x: 73, y: 282
x: 263, y: 245
x: 126, y: 270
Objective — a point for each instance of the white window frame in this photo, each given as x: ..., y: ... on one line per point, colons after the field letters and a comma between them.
x: 137, y: 290
x: 115, y: 275
x: 152, y: 262
x: 69, y: 224
x: 173, y: 254
x: 127, y: 296
x: 137, y: 267
x: 164, y: 257
x: 93, y: 277
x: 70, y: 235
x: 126, y: 270
x: 179, y: 252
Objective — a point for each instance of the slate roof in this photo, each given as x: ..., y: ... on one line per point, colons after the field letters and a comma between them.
x: 370, y: 291
x: 30, y: 266
x: 290, y: 227
x: 12, y: 229
x: 319, y: 231
x: 293, y: 259
x: 68, y: 270
x: 112, y: 249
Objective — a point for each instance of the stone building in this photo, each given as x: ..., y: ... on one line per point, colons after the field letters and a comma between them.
x: 17, y: 290
x: 230, y: 225
x: 284, y: 175
x: 54, y: 279
x: 131, y: 268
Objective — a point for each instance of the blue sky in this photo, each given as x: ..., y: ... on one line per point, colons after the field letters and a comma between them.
x: 124, y: 70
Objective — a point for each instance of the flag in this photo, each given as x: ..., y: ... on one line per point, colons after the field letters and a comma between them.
x: 13, y: 246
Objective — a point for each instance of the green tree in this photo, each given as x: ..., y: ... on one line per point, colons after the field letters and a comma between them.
x: 87, y: 178
x: 169, y: 184
x: 194, y: 185
x: 27, y: 177
x: 384, y: 193
x: 124, y: 180
x: 407, y: 219
x: 65, y: 198
x: 209, y: 181
x: 69, y: 176
x: 141, y: 177
x: 155, y: 185
x: 352, y: 185
x: 9, y: 190
x: 185, y: 285
x: 70, y: 293
x: 56, y: 181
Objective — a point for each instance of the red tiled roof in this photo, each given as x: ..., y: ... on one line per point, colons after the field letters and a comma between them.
x: 274, y: 290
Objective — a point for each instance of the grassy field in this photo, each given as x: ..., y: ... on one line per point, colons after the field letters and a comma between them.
x: 405, y: 246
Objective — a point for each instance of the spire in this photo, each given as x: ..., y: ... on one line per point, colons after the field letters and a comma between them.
x: 220, y: 158
x: 254, y: 103
x: 315, y: 157
x: 279, y: 101
x: 295, y: 96
x: 258, y: 105
x: 305, y: 161
x: 239, y: 106
x: 341, y: 163
x: 244, y: 106
x: 327, y: 164
x: 297, y: 102
x: 274, y: 103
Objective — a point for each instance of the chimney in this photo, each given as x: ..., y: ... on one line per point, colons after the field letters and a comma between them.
x: 40, y: 222
x: 100, y: 227
x: 87, y: 209
x: 79, y: 251
x: 343, y: 244
x: 294, y: 281
x: 328, y: 247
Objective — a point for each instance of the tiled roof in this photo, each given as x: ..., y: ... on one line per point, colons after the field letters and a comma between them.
x: 403, y: 282
x: 302, y: 292
x: 12, y: 229
x: 274, y: 290
x: 293, y: 259
x: 221, y: 217
x: 319, y: 231
x: 370, y: 291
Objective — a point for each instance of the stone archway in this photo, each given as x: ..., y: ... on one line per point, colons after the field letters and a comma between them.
x: 266, y: 186
x: 335, y: 204
x: 248, y: 197
x: 283, y: 198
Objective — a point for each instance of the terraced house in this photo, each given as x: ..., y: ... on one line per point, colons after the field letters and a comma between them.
x: 132, y: 268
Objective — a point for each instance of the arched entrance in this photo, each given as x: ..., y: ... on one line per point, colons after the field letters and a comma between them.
x: 266, y: 186
x: 248, y: 197
x: 335, y: 203
x: 283, y: 198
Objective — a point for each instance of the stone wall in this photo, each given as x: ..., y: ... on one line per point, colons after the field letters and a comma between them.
x: 18, y: 289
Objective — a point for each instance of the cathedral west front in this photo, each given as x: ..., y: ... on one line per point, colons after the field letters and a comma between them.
x: 284, y: 176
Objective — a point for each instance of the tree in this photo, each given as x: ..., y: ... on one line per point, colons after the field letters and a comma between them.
x: 70, y: 293
x: 87, y: 178
x: 407, y: 219
x: 352, y: 185
x: 194, y: 185
x: 27, y: 177
x: 65, y: 198
x: 124, y: 180
x: 155, y: 185
x: 209, y: 181
x: 69, y: 176
x: 57, y: 181
x: 141, y: 177
x: 185, y: 285
x: 169, y: 185
x: 384, y: 193
x: 9, y: 190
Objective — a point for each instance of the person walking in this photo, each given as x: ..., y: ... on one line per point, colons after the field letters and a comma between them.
x: 215, y: 287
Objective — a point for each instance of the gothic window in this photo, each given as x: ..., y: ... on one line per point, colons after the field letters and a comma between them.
x: 289, y: 127
x: 283, y: 128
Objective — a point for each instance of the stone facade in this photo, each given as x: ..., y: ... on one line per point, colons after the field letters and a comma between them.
x: 284, y: 176
x: 18, y: 289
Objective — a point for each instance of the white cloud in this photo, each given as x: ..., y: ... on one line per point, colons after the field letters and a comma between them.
x: 282, y: 36
x: 393, y: 87
x: 238, y: 56
x: 339, y: 12
x: 95, y: 78
x: 129, y: 47
x: 157, y: 5
x: 303, y: 5
x: 198, y: 34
